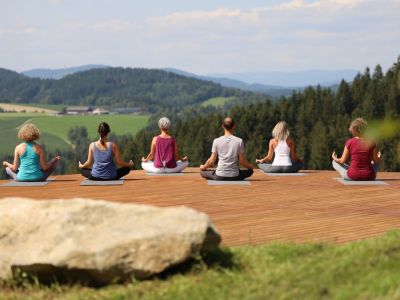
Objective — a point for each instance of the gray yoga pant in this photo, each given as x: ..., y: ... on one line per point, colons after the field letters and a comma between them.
x: 269, y: 168
x: 343, y: 168
x: 210, y: 175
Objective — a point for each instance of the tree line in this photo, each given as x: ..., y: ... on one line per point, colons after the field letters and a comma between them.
x: 319, y: 119
x: 149, y: 89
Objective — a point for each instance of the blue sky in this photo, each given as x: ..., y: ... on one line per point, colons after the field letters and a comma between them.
x: 200, y: 36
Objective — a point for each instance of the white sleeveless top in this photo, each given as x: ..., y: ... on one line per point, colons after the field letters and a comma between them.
x: 282, y: 154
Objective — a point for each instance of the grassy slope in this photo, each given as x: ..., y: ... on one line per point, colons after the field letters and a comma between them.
x: 120, y: 124
x: 362, y: 270
x: 8, y: 127
x: 217, y: 101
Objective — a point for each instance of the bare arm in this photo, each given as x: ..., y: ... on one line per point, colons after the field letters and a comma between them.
x: 118, y: 158
x: 89, y: 161
x: 269, y: 156
x: 43, y: 164
x: 14, y: 166
x: 293, y: 154
x: 150, y: 156
x: 244, y: 162
x: 210, y: 162
x: 376, y: 156
x: 344, y: 158
x: 177, y: 155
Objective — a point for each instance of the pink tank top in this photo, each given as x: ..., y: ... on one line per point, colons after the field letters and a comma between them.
x: 165, y: 153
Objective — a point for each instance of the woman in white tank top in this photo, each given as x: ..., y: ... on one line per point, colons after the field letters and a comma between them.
x: 283, y: 149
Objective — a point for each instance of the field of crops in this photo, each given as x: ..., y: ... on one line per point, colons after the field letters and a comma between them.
x: 54, y: 130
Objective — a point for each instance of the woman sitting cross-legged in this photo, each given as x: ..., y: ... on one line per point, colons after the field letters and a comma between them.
x: 284, y: 148
x: 164, y: 151
x: 363, y: 154
x: 101, y: 156
x: 29, y: 158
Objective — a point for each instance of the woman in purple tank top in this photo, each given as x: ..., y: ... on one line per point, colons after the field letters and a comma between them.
x: 100, y: 163
x: 164, y: 151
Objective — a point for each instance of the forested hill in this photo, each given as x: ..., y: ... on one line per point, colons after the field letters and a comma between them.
x: 125, y: 87
x: 319, y: 120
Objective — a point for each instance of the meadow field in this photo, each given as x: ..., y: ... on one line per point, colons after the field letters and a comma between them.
x: 54, y: 129
x: 366, y: 269
x: 217, y: 101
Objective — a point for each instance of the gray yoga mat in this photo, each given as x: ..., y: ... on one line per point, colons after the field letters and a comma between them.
x: 26, y: 183
x: 164, y: 174
x: 284, y: 174
x: 353, y: 182
x: 88, y: 182
x: 227, y: 182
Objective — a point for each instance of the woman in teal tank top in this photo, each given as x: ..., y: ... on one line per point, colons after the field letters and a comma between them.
x: 29, y: 159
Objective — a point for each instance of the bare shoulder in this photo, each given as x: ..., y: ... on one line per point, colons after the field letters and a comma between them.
x: 273, y: 142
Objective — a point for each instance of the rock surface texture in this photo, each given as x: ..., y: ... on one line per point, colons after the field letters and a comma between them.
x: 98, y: 241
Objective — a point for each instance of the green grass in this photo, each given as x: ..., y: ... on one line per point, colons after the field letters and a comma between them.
x: 54, y: 130
x: 363, y: 270
x: 217, y: 101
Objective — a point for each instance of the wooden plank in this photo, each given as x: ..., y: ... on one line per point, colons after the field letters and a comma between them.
x: 299, y: 209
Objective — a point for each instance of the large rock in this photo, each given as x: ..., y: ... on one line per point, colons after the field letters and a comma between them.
x: 98, y: 241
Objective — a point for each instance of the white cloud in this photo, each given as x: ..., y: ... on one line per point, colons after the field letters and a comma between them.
x: 113, y: 25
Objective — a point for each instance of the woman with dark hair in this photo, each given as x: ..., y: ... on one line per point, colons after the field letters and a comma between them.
x: 363, y: 154
x: 101, y: 156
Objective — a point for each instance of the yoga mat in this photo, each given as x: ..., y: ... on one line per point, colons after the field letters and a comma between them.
x: 284, y: 174
x: 164, y: 174
x: 227, y: 182
x: 353, y: 182
x: 88, y: 182
x: 26, y: 183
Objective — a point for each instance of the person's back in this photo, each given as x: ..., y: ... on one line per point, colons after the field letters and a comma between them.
x: 29, y: 169
x: 228, y: 149
x: 165, y: 153
x: 361, y: 153
x: 282, y: 154
x: 103, y: 165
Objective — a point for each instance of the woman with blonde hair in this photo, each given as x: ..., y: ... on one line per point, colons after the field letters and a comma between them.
x: 29, y: 157
x: 164, y: 151
x: 283, y: 149
x: 363, y: 154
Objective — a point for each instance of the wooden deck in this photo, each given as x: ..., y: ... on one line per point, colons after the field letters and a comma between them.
x: 302, y: 208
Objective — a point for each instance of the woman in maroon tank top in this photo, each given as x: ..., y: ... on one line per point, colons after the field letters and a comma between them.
x: 164, y: 151
x: 363, y: 154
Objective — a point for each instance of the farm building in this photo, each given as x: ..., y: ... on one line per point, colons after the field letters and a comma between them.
x: 128, y: 110
x: 100, y: 111
x: 79, y: 110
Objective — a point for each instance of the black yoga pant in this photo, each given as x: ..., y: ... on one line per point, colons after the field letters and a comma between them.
x: 210, y: 175
x: 269, y: 168
x: 121, y: 172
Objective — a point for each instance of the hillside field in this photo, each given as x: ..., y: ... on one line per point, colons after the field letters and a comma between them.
x: 217, y: 101
x: 54, y: 130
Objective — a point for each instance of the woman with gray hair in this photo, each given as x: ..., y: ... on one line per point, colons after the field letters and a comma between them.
x: 363, y: 153
x: 284, y: 148
x: 164, y: 151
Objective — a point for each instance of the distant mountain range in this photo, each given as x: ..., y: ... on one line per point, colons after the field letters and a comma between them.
x: 266, y: 82
x: 59, y: 73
